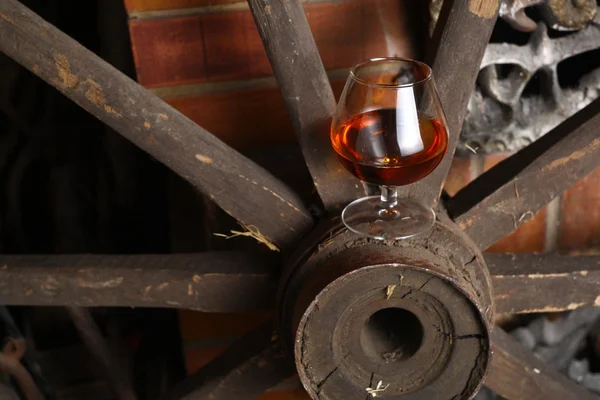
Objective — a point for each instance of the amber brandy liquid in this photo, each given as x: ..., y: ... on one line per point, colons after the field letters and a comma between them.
x: 378, y: 148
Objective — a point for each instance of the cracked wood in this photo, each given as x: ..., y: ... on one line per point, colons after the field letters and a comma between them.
x: 517, y: 374
x: 455, y: 68
x: 511, y: 193
x: 536, y: 283
x: 309, y: 99
x: 211, y: 282
x: 350, y: 276
x: 242, y: 188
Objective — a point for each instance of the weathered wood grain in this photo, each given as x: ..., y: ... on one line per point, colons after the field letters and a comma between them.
x: 517, y: 374
x: 211, y: 282
x: 511, y: 193
x: 534, y: 283
x: 462, y: 33
x: 242, y: 188
x: 295, y: 60
x: 353, y: 279
x: 248, y: 368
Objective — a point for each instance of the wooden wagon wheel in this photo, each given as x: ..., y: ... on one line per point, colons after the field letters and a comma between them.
x: 439, y: 286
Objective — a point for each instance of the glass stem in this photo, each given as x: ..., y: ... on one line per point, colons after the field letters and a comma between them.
x: 389, y: 197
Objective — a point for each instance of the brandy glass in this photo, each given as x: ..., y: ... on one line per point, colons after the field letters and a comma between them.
x: 389, y: 129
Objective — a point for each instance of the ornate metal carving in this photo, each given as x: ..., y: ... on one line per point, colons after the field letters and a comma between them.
x: 502, y: 114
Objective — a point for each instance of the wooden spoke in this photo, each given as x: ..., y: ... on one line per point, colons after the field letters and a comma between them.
x: 512, y: 192
x: 244, y: 371
x: 460, y: 39
x: 517, y: 374
x: 242, y: 188
x: 307, y: 93
x: 532, y: 283
x: 212, y: 282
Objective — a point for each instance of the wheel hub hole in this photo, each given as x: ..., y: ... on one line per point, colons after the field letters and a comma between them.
x: 391, y: 335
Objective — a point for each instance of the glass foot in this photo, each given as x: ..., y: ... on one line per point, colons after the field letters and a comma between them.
x: 368, y: 218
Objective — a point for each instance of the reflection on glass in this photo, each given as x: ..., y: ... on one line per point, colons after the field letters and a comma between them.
x: 389, y: 129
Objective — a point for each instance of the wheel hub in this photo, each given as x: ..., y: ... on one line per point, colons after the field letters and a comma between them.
x: 407, y: 319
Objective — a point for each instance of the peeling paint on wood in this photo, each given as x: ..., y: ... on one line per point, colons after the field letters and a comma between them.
x: 534, y: 283
x: 112, y: 283
x: 67, y: 80
x: 204, y: 159
x: 551, y: 309
x: 577, y: 155
x: 7, y: 19
x: 94, y: 93
x: 484, y: 8
x: 109, y: 110
x: 547, y: 276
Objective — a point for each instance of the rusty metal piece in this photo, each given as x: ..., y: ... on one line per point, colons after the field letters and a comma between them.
x: 513, y: 12
x: 10, y: 362
x: 94, y: 341
x: 402, y: 313
x: 500, y: 117
x: 568, y: 15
